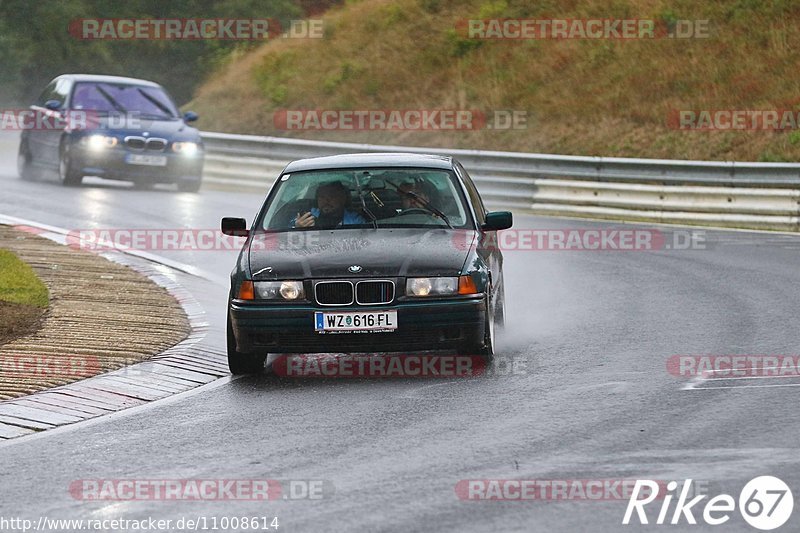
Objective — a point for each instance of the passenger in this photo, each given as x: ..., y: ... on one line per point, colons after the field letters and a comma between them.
x: 419, y: 189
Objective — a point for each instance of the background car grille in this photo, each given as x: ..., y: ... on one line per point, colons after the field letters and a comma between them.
x: 334, y: 292
x: 156, y: 145
x: 153, y: 144
x: 374, y: 292
x: 135, y: 143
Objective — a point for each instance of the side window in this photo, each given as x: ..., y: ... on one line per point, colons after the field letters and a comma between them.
x: 57, y: 90
x: 474, y: 197
x: 62, y: 90
x: 48, y: 94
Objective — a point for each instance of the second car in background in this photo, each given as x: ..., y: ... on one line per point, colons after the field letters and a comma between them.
x: 111, y: 127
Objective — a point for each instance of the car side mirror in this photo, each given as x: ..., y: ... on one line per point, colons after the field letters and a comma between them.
x: 235, y: 227
x: 497, y: 220
x: 52, y: 105
x: 190, y: 116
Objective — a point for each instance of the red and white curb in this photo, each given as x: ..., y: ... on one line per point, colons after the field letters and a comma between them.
x: 187, y: 365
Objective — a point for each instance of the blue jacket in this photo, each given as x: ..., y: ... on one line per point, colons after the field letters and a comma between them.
x: 349, y: 217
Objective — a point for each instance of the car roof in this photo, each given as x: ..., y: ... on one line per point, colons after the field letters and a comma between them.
x: 107, y: 79
x: 372, y: 160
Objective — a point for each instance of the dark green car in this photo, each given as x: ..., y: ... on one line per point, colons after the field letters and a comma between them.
x: 366, y: 253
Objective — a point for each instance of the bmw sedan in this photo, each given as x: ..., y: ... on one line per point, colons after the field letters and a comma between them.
x: 366, y: 253
x: 111, y: 127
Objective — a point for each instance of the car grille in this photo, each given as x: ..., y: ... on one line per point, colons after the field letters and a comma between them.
x: 366, y: 292
x: 374, y: 292
x: 154, y: 144
x: 334, y: 292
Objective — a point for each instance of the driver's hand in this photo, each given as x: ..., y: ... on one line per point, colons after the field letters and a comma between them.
x: 306, y: 220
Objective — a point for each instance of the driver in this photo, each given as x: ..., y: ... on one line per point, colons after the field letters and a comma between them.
x: 331, y: 210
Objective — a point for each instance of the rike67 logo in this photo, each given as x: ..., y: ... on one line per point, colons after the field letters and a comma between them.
x: 765, y: 503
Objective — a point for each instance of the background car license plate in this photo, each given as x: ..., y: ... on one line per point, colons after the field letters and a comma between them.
x: 145, y: 159
x: 355, y: 321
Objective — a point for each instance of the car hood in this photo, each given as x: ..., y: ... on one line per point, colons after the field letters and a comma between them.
x: 142, y: 127
x: 379, y: 253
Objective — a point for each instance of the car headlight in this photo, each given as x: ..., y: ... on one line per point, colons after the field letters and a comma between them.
x: 279, y: 290
x: 186, y: 148
x: 431, y: 286
x: 100, y: 142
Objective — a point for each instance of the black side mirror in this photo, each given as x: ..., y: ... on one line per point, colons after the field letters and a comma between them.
x: 190, y: 116
x: 52, y: 105
x: 497, y: 220
x: 235, y: 227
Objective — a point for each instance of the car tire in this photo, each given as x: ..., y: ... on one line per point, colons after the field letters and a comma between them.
x: 242, y: 363
x: 189, y: 186
x: 66, y: 173
x: 25, y: 162
x: 485, y: 349
x: 500, y: 311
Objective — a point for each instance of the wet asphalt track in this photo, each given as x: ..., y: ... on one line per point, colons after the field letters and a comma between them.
x: 595, y: 401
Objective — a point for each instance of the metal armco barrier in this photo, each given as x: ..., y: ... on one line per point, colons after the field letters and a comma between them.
x: 709, y: 193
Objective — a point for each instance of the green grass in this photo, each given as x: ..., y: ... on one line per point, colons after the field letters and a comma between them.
x: 589, y: 97
x: 19, y: 284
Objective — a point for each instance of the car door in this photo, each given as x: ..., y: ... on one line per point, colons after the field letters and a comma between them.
x: 44, y: 138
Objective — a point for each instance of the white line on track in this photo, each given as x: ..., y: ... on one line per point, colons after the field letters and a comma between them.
x: 59, y: 234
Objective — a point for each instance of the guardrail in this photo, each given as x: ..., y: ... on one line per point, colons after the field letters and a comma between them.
x: 728, y: 194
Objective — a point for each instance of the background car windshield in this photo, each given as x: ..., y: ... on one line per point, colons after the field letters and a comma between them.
x: 150, y: 102
x: 395, y: 197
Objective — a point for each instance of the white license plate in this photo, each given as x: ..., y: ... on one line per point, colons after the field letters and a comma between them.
x: 374, y: 321
x: 144, y: 159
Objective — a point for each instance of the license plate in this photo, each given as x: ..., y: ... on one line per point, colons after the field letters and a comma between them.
x: 371, y: 321
x: 144, y: 159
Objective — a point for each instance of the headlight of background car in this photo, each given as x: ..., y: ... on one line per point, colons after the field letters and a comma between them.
x: 279, y: 290
x: 185, y: 147
x: 431, y: 286
x: 100, y: 142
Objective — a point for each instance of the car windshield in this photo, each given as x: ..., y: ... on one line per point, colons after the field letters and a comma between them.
x: 381, y: 198
x: 148, y: 102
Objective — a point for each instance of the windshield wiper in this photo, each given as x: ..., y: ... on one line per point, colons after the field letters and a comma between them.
x: 364, y: 203
x: 426, y: 205
x: 111, y: 100
x: 156, y: 103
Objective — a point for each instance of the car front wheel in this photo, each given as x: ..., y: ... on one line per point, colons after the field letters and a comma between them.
x: 24, y: 162
x: 485, y: 349
x: 66, y: 172
x: 242, y: 363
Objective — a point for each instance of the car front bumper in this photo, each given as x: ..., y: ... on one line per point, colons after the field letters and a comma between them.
x: 451, y: 324
x: 112, y: 164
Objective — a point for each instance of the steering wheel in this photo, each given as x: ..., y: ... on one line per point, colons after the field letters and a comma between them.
x: 416, y: 211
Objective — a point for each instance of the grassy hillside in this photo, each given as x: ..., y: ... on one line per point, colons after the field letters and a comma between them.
x: 594, y: 97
